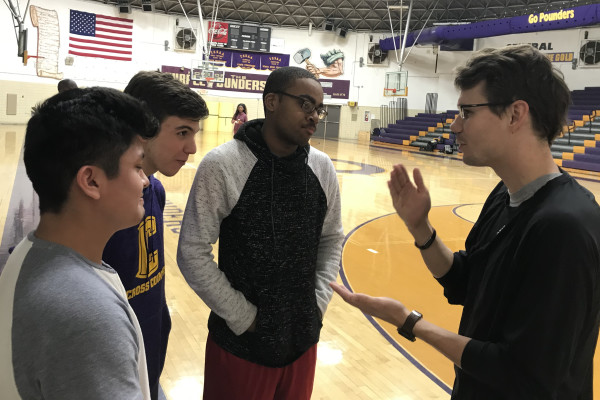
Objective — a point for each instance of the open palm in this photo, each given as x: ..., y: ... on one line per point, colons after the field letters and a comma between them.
x: 411, y: 201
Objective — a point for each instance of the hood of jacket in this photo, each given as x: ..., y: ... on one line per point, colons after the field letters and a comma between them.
x: 251, y: 134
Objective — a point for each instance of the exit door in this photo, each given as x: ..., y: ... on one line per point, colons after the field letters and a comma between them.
x: 329, y: 127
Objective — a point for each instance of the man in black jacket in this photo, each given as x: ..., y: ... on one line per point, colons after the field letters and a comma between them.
x: 529, y: 279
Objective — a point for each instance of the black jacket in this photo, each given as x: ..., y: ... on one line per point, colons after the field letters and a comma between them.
x: 529, y: 281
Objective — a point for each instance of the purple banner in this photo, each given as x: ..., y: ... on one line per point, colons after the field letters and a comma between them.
x: 271, y: 62
x: 221, y: 55
x: 246, y: 60
x: 335, y: 88
x: 249, y: 60
x: 540, y: 21
x: 254, y: 83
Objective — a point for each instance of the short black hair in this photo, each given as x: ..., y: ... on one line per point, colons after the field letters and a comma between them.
x: 165, y: 96
x: 520, y: 73
x: 92, y: 126
x: 282, y: 78
x: 66, y: 84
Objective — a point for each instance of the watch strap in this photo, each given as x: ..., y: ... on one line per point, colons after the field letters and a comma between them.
x: 406, y: 330
x: 428, y: 243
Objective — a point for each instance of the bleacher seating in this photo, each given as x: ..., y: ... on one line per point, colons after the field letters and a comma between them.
x: 419, y: 131
x: 579, y: 147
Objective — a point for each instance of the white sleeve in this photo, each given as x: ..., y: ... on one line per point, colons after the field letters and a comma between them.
x: 332, y: 236
x: 214, y: 193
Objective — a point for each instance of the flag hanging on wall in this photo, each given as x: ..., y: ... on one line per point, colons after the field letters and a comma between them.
x: 95, y: 35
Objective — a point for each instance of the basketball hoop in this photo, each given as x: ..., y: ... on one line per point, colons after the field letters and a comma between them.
x: 209, y: 82
x: 396, y: 83
x: 393, y: 92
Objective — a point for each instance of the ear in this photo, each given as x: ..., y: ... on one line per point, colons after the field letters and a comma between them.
x: 519, y: 112
x: 89, y: 180
x: 271, y: 101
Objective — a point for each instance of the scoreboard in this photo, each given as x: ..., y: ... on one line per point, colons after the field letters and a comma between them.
x: 240, y: 37
x: 249, y: 37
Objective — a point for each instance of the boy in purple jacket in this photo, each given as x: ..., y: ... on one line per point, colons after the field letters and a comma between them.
x: 137, y: 253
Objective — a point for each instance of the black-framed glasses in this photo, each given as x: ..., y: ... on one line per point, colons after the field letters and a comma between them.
x: 461, y: 108
x: 307, y: 106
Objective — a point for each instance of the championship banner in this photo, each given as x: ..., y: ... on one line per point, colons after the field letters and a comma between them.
x: 245, y: 60
x: 254, y: 83
x: 271, y: 62
x: 221, y: 55
x: 250, y: 60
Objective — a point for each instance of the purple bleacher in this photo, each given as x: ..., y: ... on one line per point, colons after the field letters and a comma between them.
x: 411, y: 119
x: 402, y: 136
x: 574, y: 116
x: 428, y: 119
x: 586, y: 99
x: 592, y: 151
x: 440, y: 117
x: 405, y: 131
x: 387, y: 140
x: 409, y: 125
x: 582, y: 107
x: 588, y: 166
x: 417, y: 122
x: 424, y: 119
x: 586, y: 91
x: 595, y: 158
x: 592, y: 89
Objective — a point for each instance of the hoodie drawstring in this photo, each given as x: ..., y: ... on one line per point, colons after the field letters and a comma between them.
x: 305, y: 175
x: 273, y: 203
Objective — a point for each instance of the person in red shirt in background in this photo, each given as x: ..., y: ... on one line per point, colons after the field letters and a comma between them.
x: 240, y: 116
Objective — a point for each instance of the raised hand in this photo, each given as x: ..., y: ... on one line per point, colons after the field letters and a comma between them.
x: 411, y: 201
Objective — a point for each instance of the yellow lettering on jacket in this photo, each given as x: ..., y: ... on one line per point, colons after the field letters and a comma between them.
x: 147, y: 262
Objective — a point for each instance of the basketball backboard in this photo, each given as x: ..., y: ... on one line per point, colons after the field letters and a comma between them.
x: 208, y: 71
x: 396, y: 83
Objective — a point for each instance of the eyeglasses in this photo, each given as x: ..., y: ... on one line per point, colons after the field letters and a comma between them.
x: 307, y: 106
x: 461, y: 108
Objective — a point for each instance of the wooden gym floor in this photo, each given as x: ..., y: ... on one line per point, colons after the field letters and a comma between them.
x: 358, y: 357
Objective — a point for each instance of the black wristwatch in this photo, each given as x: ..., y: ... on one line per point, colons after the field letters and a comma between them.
x: 406, y: 330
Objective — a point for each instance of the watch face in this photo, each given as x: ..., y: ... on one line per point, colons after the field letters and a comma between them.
x: 417, y: 314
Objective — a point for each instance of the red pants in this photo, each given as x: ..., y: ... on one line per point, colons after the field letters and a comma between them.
x: 227, y: 377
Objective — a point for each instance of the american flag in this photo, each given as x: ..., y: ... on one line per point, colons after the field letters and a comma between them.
x: 95, y: 35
